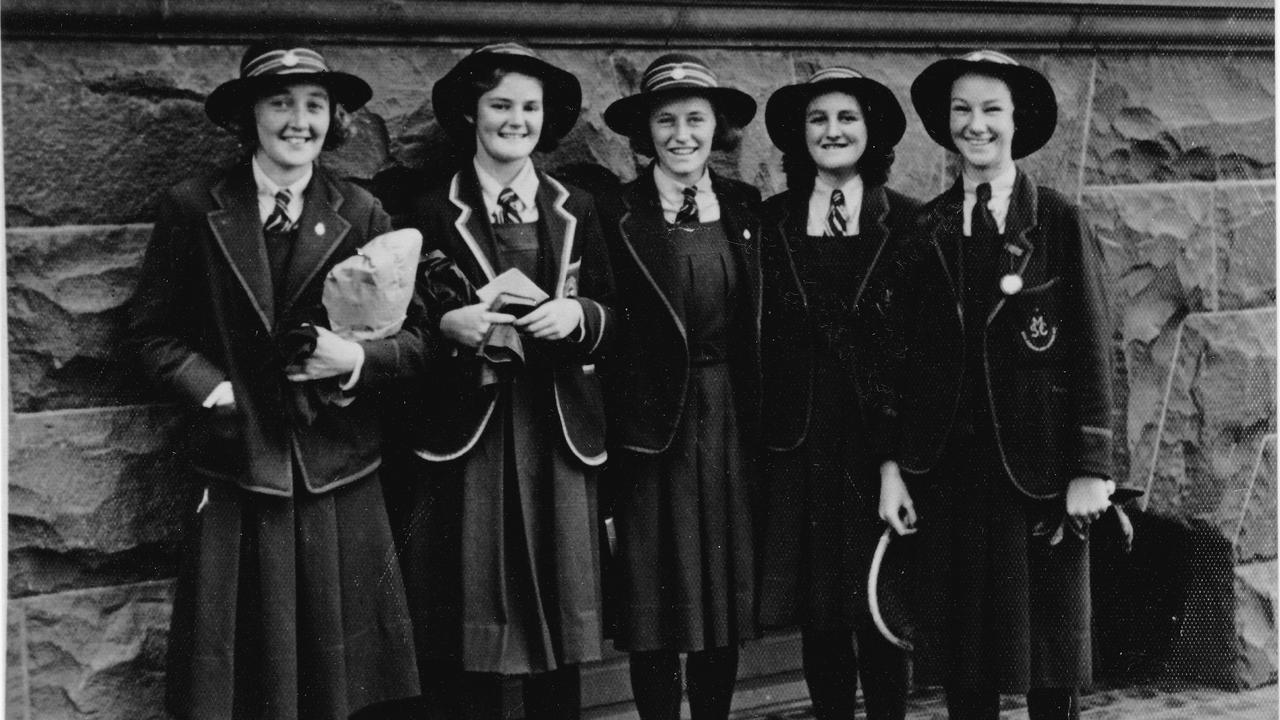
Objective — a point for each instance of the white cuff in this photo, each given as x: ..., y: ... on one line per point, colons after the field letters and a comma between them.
x: 355, y: 372
x: 220, y: 391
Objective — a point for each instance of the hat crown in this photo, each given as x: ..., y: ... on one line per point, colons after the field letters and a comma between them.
x: 835, y: 72
x: 677, y: 71
x: 283, y: 56
x: 989, y: 56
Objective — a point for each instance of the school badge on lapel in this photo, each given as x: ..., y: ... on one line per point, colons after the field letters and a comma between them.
x: 1041, y: 332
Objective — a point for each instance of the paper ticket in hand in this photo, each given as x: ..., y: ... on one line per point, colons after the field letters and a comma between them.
x: 512, y: 292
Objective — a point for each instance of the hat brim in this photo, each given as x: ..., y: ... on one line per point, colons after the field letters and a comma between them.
x: 785, y: 111
x: 227, y: 101
x: 1034, y: 101
x: 630, y: 114
x: 561, y: 93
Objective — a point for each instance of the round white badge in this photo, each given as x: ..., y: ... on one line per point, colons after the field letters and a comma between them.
x: 1011, y: 284
x: 290, y: 59
x: 320, y: 228
x: 677, y: 74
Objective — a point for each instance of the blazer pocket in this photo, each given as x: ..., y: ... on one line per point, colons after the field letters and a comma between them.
x: 216, y: 440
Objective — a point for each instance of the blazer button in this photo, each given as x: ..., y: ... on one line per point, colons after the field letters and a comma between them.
x: 320, y: 228
x: 746, y: 234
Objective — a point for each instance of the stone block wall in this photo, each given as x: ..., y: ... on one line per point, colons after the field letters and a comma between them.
x: 1170, y: 156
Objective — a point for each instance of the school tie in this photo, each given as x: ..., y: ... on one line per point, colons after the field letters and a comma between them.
x: 983, y: 224
x: 837, y: 221
x: 509, y: 207
x: 278, y: 221
x: 688, y: 214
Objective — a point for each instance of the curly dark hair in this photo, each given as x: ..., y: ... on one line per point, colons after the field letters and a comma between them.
x: 477, y: 86
x: 245, y: 127
x: 726, y: 137
x: 873, y: 166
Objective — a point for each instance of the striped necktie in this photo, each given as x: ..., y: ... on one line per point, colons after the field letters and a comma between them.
x: 837, y: 221
x: 688, y: 214
x: 509, y: 207
x: 278, y: 221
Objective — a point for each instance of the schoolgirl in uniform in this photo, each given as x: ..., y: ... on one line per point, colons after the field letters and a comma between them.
x: 831, y: 249
x: 1005, y: 400
x: 290, y: 603
x: 684, y: 388
x: 502, y: 552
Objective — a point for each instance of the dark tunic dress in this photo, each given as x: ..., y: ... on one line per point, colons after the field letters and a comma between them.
x: 1001, y: 609
x: 685, y: 556
x: 502, y: 563
x: 821, y: 506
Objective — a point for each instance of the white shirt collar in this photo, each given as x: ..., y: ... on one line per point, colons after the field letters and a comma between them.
x: 820, y: 205
x: 267, y: 189
x: 671, y: 195
x: 1001, y: 192
x: 525, y: 185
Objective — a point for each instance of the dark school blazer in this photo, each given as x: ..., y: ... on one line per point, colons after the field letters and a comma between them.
x: 205, y: 311
x: 1045, y: 349
x: 872, y: 340
x: 648, y: 374
x: 452, y: 219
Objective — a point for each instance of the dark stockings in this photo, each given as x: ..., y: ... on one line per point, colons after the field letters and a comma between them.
x: 655, y: 682
x: 831, y: 670
x: 1042, y: 704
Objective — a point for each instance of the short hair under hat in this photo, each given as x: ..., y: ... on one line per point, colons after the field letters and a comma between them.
x: 1035, y: 106
x: 453, y: 98
x: 785, y: 112
x: 274, y: 63
x: 670, y: 76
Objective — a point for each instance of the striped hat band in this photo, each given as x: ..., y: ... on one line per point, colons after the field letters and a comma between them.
x: 678, y: 74
x: 990, y: 56
x: 836, y: 73
x: 507, y: 48
x: 285, y: 62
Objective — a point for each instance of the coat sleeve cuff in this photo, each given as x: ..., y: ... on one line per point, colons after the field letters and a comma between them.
x: 1094, y: 459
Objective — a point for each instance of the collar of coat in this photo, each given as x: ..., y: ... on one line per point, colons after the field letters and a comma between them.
x: 642, y: 224
x: 238, y: 232
x: 476, y: 231
x: 945, y: 217
x: 793, y: 221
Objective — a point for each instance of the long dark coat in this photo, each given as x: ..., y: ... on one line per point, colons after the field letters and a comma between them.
x: 289, y: 602
x: 469, y: 564
x: 818, y: 529
x: 1000, y: 606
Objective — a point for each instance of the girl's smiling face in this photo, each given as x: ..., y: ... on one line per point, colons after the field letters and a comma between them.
x: 292, y: 124
x: 683, y: 130
x: 982, y: 124
x: 508, y: 120
x: 835, y: 132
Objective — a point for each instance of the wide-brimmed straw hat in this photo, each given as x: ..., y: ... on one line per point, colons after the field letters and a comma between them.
x: 784, y: 114
x: 561, y: 93
x: 671, y: 76
x: 1035, y: 104
x: 277, y: 62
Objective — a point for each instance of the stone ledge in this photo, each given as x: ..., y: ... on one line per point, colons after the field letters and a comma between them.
x: 1213, y: 26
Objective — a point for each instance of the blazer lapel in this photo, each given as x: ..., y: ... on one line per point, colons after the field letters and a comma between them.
x: 740, y: 229
x: 471, y: 224
x: 320, y: 231
x: 1018, y: 224
x: 642, y: 229
x: 560, y: 224
x: 874, y: 229
x: 948, y: 229
x: 237, y: 229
